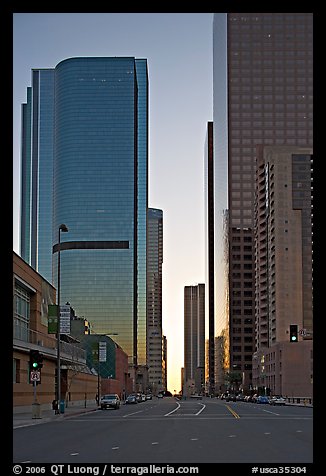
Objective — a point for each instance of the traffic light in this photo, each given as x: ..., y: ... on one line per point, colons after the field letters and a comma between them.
x: 35, y: 360
x: 293, y: 333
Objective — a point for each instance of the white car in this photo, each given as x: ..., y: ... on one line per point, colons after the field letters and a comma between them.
x: 110, y: 401
x: 277, y: 400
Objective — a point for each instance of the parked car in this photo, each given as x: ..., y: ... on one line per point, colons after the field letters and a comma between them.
x: 149, y: 396
x: 160, y: 395
x: 277, y: 400
x: 196, y: 396
x: 111, y: 400
x: 262, y: 399
x: 231, y: 398
x: 131, y: 399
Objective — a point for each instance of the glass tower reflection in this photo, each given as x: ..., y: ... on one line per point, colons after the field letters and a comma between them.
x: 100, y: 159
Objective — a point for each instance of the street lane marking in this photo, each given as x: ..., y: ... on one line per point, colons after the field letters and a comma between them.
x: 186, y: 414
x: 273, y: 413
x: 115, y: 448
x: 204, y: 406
x: 232, y: 436
x: 232, y: 411
x: 194, y: 439
x: 74, y: 454
x: 190, y: 416
x: 267, y: 433
x: 134, y: 413
x: 167, y: 414
x: 155, y: 443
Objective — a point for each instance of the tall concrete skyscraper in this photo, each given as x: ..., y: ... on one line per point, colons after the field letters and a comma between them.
x: 154, y: 300
x: 262, y: 94
x: 85, y: 165
x: 194, y: 338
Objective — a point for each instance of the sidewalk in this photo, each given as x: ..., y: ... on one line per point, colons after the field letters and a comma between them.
x: 26, y: 418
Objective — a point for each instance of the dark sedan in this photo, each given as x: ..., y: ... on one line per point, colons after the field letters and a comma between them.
x: 131, y: 399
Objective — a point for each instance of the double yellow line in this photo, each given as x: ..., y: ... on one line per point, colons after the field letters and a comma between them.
x: 232, y: 411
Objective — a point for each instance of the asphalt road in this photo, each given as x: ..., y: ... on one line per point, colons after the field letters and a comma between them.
x: 171, y: 431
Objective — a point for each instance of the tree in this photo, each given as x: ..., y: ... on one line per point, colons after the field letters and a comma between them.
x: 233, y: 380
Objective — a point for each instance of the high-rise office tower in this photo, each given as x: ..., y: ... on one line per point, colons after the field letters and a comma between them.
x: 283, y: 275
x: 209, y: 254
x: 154, y: 299
x: 165, y: 362
x: 262, y: 94
x: 194, y: 338
x: 37, y: 173
x: 87, y: 121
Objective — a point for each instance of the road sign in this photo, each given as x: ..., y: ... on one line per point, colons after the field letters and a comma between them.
x: 303, y: 332
x: 102, y: 351
x: 35, y: 376
x: 65, y: 319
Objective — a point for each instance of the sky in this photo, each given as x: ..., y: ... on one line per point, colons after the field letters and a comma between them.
x: 179, y: 52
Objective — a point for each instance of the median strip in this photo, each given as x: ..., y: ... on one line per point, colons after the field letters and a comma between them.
x: 232, y: 411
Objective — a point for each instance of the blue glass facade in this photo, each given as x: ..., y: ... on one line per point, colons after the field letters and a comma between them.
x: 221, y: 206
x: 100, y: 136
x: 25, y: 180
x: 142, y: 82
x: 37, y: 173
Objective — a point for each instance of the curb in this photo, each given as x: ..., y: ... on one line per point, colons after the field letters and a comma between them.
x: 36, y: 421
x: 68, y: 415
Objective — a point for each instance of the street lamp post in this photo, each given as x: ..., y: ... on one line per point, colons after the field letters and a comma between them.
x: 63, y: 228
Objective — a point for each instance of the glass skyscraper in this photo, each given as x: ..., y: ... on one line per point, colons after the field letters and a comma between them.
x: 99, y: 130
x: 37, y: 173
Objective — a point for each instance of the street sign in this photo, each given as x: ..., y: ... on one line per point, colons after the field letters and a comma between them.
x: 102, y: 351
x: 65, y: 319
x: 35, y: 376
x: 303, y: 332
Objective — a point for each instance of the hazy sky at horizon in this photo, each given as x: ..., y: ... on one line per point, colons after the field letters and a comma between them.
x: 179, y: 50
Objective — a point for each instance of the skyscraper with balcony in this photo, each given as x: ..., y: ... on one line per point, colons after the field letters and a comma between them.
x: 283, y: 274
x: 154, y: 300
x: 87, y: 121
x: 262, y: 94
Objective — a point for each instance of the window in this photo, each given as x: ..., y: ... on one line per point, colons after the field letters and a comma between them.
x: 21, y: 313
x: 16, y: 370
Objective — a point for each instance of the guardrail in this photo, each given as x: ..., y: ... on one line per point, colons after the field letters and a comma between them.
x: 299, y: 400
x: 70, y: 351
